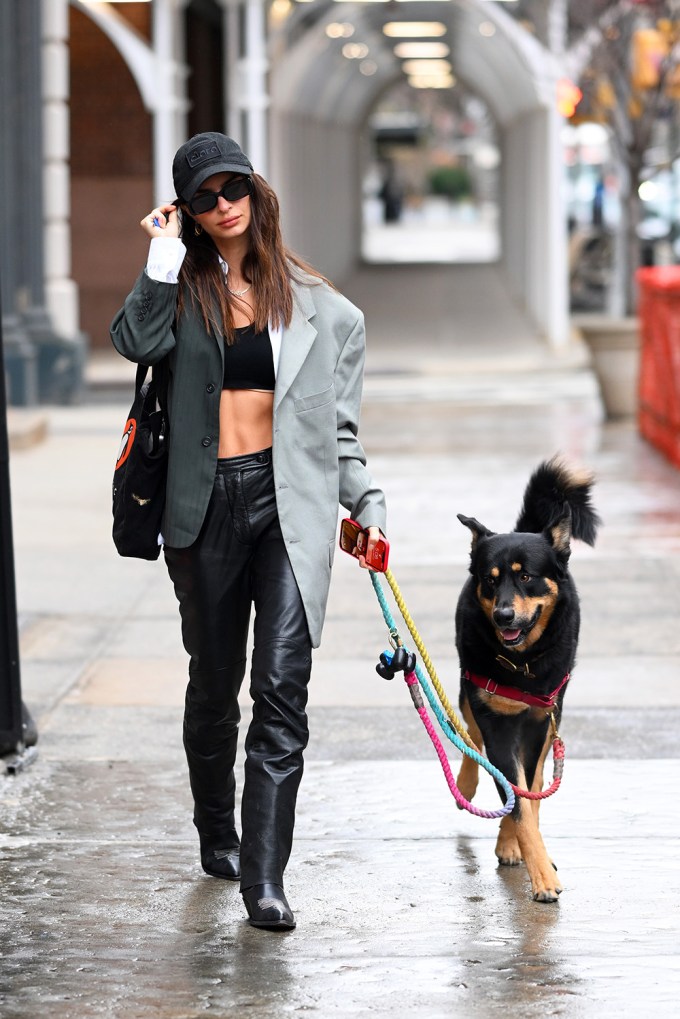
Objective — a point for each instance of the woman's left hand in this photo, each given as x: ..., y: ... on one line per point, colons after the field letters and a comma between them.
x: 373, y: 535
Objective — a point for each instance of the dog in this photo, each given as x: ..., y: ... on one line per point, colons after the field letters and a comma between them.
x: 517, y: 627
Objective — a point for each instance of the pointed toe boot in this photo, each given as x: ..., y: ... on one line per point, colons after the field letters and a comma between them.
x: 268, y: 908
x: 224, y: 863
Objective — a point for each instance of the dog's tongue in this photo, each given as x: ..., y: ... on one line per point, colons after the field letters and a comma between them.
x: 511, y: 634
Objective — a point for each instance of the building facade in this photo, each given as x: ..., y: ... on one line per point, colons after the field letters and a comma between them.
x: 96, y: 97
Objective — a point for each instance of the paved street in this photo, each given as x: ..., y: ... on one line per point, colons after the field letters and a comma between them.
x: 401, y: 907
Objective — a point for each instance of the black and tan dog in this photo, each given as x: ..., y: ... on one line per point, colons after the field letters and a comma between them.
x: 517, y: 626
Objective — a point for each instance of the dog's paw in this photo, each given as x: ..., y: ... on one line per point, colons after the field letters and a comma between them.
x: 508, y: 852
x: 548, y: 890
x: 547, y: 894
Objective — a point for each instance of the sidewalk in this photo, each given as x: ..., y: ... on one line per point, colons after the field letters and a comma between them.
x: 401, y: 908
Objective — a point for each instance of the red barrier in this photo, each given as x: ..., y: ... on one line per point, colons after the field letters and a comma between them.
x: 659, y: 389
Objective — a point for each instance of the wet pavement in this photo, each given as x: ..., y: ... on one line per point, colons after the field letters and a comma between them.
x: 400, y: 904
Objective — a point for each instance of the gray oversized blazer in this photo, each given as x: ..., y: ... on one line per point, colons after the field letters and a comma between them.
x: 318, y: 459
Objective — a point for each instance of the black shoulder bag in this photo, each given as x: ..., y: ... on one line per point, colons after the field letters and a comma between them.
x: 141, y: 468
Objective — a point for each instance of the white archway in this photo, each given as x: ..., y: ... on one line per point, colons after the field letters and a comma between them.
x: 320, y: 100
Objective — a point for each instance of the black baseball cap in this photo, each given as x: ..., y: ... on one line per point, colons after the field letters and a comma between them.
x: 201, y: 157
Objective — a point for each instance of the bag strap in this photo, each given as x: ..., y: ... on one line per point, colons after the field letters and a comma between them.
x: 140, y: 376
x: 160, y: 375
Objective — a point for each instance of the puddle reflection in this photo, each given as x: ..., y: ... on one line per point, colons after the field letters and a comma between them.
x: 514, y: 937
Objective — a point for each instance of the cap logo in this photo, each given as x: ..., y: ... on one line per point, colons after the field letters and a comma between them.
x: 203, y: 154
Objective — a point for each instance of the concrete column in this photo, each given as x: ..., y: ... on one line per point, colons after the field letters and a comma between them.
x: 169, y: 96
x: 231, y: 53
x: 546, y: 267
x: 534, y: 223
x: 45, y: 349
x: 514, y: 196
x: 61, y: 292
x: 556, y: 311
x: 20, y: 359
x: 252, y: 98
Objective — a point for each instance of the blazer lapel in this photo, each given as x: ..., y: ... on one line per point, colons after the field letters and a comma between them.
x: 296, y: 342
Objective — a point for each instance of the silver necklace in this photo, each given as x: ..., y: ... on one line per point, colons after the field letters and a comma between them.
x: 239, y: 293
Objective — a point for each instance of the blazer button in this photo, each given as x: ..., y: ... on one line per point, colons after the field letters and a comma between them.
x: 210, y: 388
x: 207, y: 441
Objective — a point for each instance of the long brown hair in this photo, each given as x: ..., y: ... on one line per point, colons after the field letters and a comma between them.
x: 268, y: 265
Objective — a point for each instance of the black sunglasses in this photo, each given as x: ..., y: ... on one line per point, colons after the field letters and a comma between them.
x: 231, y: 191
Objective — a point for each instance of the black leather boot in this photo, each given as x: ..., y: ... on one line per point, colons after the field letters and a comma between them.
x: 268, y: 907
x: 225, y: 863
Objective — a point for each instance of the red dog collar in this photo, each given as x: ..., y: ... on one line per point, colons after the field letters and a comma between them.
x: 534, y: 700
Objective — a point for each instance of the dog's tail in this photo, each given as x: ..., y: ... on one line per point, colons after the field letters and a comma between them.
x: 555, y: 488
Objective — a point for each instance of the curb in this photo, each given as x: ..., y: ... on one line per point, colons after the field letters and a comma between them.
x: 26, y: 428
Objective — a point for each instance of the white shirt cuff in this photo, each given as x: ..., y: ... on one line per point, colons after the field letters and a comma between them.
x: 166, y: 255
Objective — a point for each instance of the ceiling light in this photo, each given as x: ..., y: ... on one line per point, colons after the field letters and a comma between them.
x: 414, y: 29
x: 339, y: 30
x: 279, y: 10
x: 487, y: 28
x: 431, y: 81
x: 368, y: 67
x: 421, y: 49
x: 355, y: 50
x: 414, y: 67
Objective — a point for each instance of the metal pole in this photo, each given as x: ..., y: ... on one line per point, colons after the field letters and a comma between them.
x: 16, y: 726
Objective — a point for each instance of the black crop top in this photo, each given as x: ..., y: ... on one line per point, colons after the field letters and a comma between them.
x: 248, y: 361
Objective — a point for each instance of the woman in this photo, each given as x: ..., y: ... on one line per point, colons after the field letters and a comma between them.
x: 265, y: 363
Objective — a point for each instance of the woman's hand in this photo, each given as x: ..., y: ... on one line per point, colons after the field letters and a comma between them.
x: 373, y: 535
x: 161, y: 222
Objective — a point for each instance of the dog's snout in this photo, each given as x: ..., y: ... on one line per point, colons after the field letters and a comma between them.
x: 503, y: 615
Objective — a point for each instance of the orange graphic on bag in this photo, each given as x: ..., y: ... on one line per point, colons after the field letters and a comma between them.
x: 126, y: 442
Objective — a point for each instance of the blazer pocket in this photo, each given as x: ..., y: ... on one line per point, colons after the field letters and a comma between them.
x: 305, y: 403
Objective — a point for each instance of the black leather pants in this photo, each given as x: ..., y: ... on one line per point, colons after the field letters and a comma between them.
x: 239, y: 559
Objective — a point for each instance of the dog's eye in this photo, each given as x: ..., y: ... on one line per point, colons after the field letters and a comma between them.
x: 491, y: 581
x: 525, y: 577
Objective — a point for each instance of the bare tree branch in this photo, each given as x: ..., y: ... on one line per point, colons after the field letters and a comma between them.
x: 580, y: 53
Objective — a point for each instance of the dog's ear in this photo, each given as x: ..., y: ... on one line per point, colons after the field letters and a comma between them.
x: 478, y: 530
x: 559, y: 534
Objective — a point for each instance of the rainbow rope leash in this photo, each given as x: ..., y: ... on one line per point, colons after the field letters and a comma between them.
x: 451, y: 726
x: 450, y: 723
